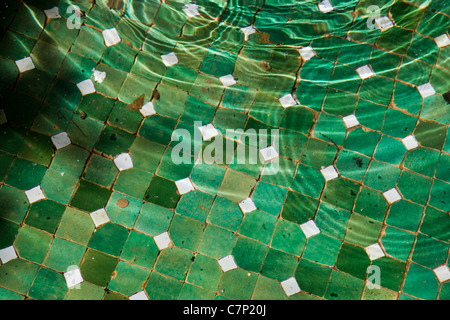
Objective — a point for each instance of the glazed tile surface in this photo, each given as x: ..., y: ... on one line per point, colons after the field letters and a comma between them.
x: 348, y: 199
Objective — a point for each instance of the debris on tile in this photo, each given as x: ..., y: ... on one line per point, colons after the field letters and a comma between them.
x: 122, y: 203
x: 137, y: 103
x: 265, y: 65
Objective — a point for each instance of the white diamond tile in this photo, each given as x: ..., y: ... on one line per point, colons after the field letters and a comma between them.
x: 25, y: 64
x: 227, y: 263
x: 111, y: 37
x: 392, y: 195
x: 35, y: 194
x: 290, y: 286
x: 184, y: 186
x: 123, y: 161
x: 247, y: 205
x: 7, y: 254
x: 310, y: 229
x: 99, y: 217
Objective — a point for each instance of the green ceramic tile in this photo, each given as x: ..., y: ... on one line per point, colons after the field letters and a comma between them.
x: 370, y: 203
x: 341, y: 193
x: 70, y: 160
x: 161, y: 287
x: 64, y: 254
x: 225, y: 213
x: 185, y: 232
x: 109, y: 238
x: 244, y: 290
x: 435, y: 223
x: 18, y: 275
x: 48, y: 285
x: 14, y: 204
x: 258, y: 225
x: 429, y: 252
x: 114, y: 141
x: 86, y: 291
x: 338, y: 281
x: 312, y: 277
x: 84, y: 227
x: 397, y: 216
x: 358, y: 231
x: 100, y: 170
x: 59, y: 186
x: 353, y: 260
x: 37, y: 148
x: 45, y: 215
x: 322, y: 249
x: 123, y: 210
x: 216, y: 242
x: 174, y: 262
x: 97, y: 267
x: 133, y: 182
x: 268, y: 289
x: 96, y: 106
x: 129, y: 279
x: 288, y: 237
x: 279, y: 265
x: 195, y: 205
x: 381, y: 176
x: 291, y: 206
x: 32, y: 244
x: 205, y: 272
x: 153, y: 219
x: 84, y: 200
x: 429, y: 284
x: 190, y: 292
x: 249, y: 254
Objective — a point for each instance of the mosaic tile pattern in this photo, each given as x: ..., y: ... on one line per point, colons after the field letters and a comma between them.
x: 92, y: 205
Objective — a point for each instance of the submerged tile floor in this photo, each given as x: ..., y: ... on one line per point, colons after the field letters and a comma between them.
x: 92, y: 206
